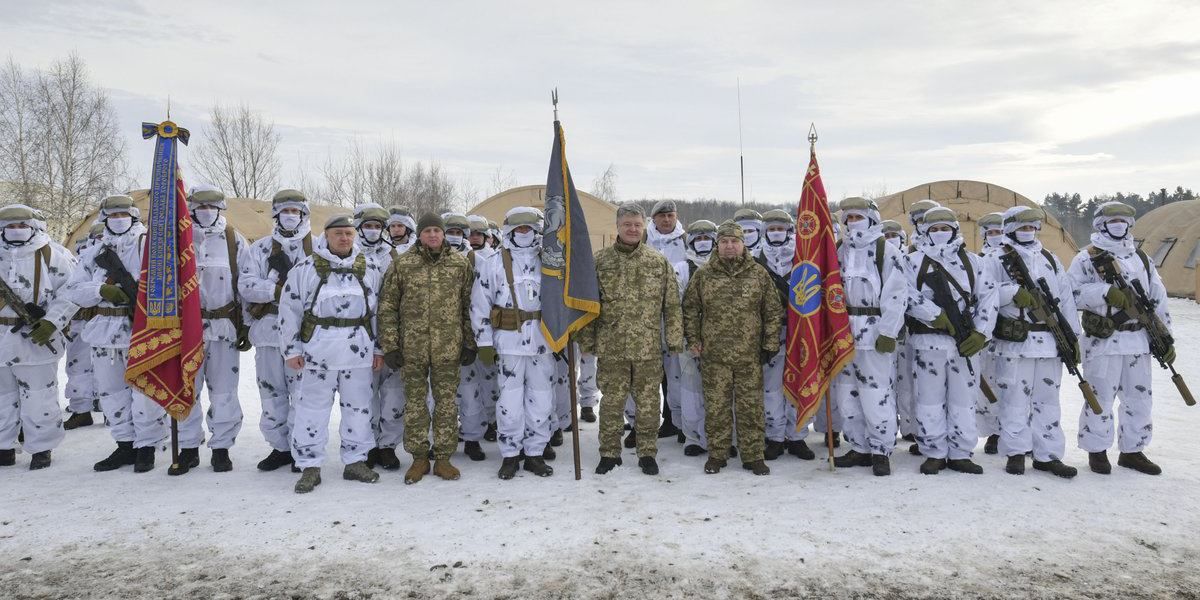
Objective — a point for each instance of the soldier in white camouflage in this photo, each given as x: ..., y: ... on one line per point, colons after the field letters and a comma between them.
x: 639, y: 308
x: 732, y: 315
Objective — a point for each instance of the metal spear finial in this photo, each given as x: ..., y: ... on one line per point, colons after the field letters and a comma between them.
x: 812, y: 137
x: 554, y: 101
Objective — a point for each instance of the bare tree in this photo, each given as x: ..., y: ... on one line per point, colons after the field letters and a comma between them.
x: 60, y: 143
x: 380, y: 175
x: 238, y: 152
x: 502, y: 179
x: 604, y: 186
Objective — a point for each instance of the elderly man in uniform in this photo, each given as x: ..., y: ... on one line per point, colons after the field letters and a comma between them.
x: 35, y: 274
x: 425, y: 332
x: 106, y: 279
x: 220, y: 249
x: 270, y: 260
x: 327, y: 325
x: 639, y: 309
x: 732, y: 315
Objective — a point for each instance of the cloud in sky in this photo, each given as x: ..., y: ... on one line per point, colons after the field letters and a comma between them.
x: 1082, y: 96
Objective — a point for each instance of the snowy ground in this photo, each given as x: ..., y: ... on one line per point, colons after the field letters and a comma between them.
x: 803, y: 531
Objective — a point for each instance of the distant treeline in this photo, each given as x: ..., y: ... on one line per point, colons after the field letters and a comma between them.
x: 709, y: 209
x: 1075, y: 214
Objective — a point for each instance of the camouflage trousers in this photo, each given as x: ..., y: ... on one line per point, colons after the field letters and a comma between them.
x: 733, y: 392
x: 621, y: 378
x: 442, y: 382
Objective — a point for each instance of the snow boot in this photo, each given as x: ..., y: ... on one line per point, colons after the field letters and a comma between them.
x: 1056, y: 467
x: 1138, y: 462
x: 442, y: 468
x: 508, y: 467
x: 607, y: 464
x: 800, y: 450
x: 419, y: 469
x: 359, y: 471
x: 772, y: 450
x: 189, y: 458
x: 852, y: 458
x: 1098, y: 462
x: 39, y: 460
x: 1016, y: 465
x: 143, y: 461
x: 77, y: 420
x: 473, y: 451
x: 309, y: 479
x: 992, y: 445
x: 220, y: 460
x: 964, y: 465
x: 648, y: 465
x: 276, y: 459
x: 881, y: 466
x: 123, y: 455
x: 757, y: 467
x: 538, y: 466
x: 933, y: 466
x: 388, y: 459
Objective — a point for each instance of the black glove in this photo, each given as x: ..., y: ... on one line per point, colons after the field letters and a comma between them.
x: 243, y: 339
x: 280, y: 264
x: 765, y: 357
x: 37, y: 312
x: 466, y: 357
x: 394, y: 360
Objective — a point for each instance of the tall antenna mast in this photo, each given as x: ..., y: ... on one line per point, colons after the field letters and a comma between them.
x: 741, y: 156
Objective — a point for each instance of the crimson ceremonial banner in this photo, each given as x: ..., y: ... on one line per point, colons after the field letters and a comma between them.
x: 819, y: 340
x: 167, y: 346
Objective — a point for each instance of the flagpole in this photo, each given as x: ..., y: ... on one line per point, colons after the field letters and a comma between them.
x: 812, y: 149
x: 741, y: 155
x: 570, y: 356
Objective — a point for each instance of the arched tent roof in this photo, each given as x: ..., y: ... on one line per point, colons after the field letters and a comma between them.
x: 601, y: 216
x: 252, y: 218
x: 1170, y: 237
x: 970, y: 200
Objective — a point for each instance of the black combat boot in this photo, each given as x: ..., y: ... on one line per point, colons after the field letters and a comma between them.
x: 189, y: 458
x: 123, y: 455
x: 607, y: 464
x: 837, y: 440
x: 1016, y: 465
x: 714, y: 465
x: 992, y: 445
x: 77, y: 420
x: 649, y: 465
x: 556, y: 438
x: 909, y: 437
x: 1138, y: 462
x: 757, y: 467
x: 538, y: 466
x: 852, y: 458
x: 772, y: 450
x: 1057, y: 468
x: 508, y: 467
x: 587, y: 414
x: 667, y: 429
x: 276, y: 459
x: 693, y: 450
x: 881, y: 466
x: 800, y: 450
x: 473, y: 451
x: 309, y: 480
x: 489, y: 434
x: 372, y: 458
x: 143, y: 462
x: 630, y: 440
x: 964, y: 465
x: 1098, y: 462
x: 220, y: 460
x: 388, y: 460
x: 548, y: 453
x: 39, y: 460
x: 933, y: 466
x: 914, y: 450
x: 8, y: 457
x: 733, y: 452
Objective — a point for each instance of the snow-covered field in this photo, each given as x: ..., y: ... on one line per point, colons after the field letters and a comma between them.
x: 68, y: 532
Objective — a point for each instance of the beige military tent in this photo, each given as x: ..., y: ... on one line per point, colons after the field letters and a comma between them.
x: 250, y: 217
x: 971, y: 200
x: 1170, y: 237
x: 601, y: 215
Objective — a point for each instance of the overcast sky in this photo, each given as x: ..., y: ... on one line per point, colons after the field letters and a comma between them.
x: 1089, y: 97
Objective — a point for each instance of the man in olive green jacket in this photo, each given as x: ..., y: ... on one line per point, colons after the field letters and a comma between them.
x: 639, y: 308
x: 425, y: 333
x: 731, y: 318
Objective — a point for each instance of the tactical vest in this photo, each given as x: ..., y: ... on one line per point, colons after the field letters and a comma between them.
x: 510, y: 319
x: 1017, y: 330
x: 259, y: 310
x: 968, y: 295
x: 311, y: 321
x: 869, y: 311
x: 41, y: 257
x: 232, y: 310
x: 1102, y: 326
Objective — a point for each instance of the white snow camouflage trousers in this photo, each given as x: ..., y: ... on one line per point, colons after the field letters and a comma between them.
x: 132, y: 417
x: 1030, y: 418
x: 81, y: 386
x: 29, y: 401
x: 224, y: 415
x: 1121, y: 375
x: 945, y: 403
x: 387, y: 408
x: 691, y: 401
x: 987, y: 415
x: 524, y: 413
x: 780, y: 413
x: 277, y: 388
x: 314, y: 404
x: 863, y: 390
